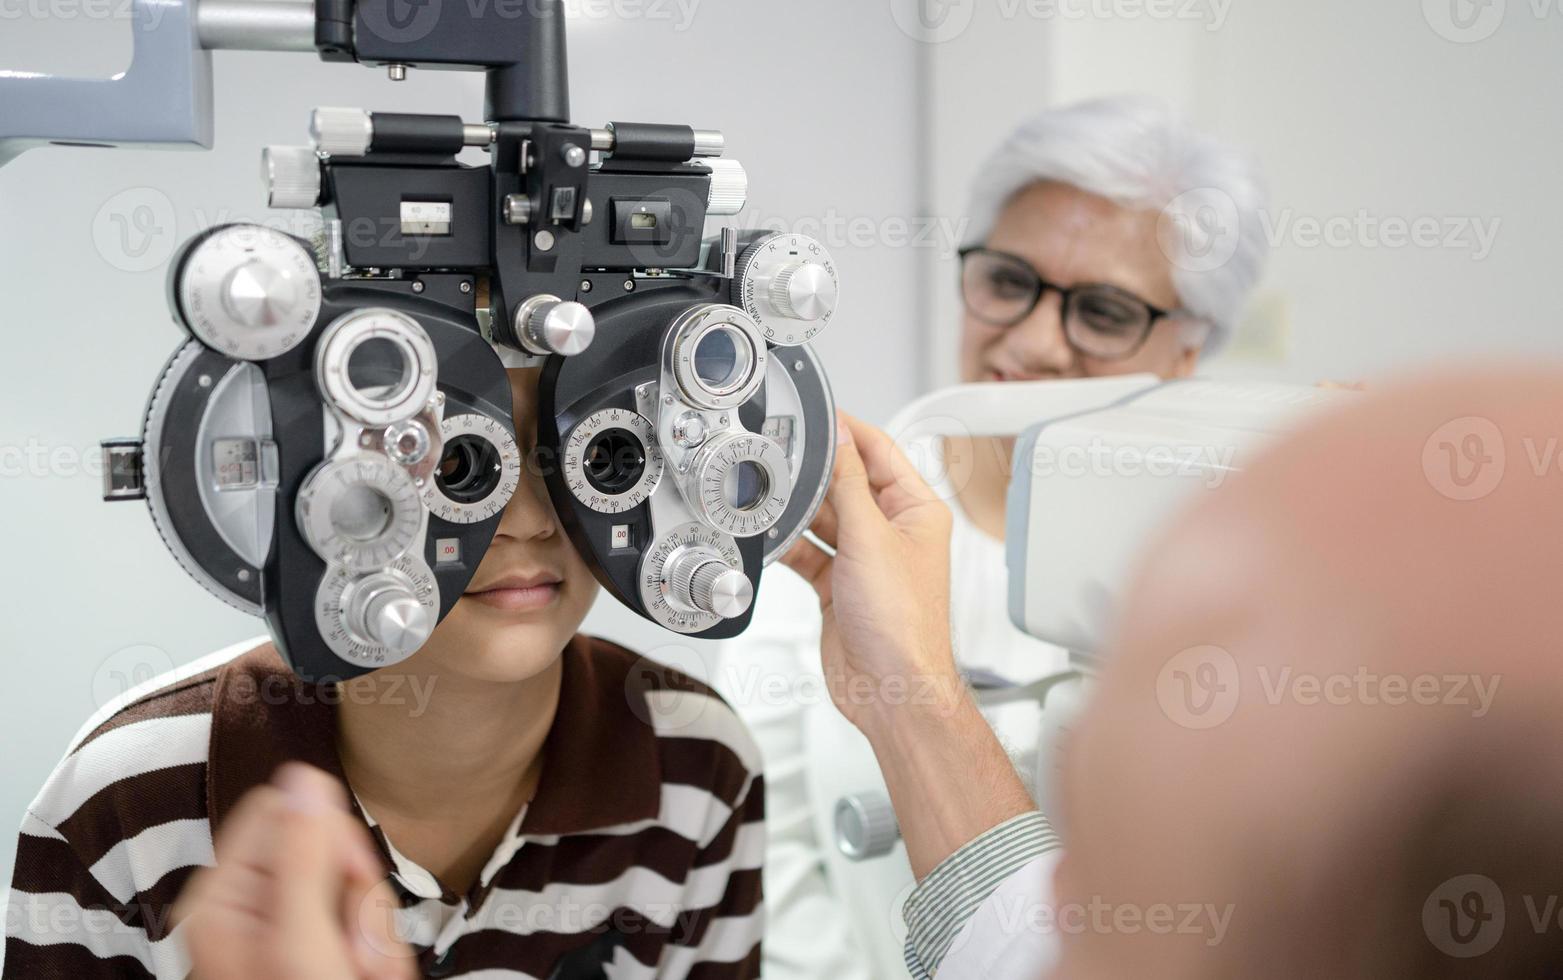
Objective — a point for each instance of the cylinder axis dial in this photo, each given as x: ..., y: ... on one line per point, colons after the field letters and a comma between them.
x: 361, y: 511
x: 247, y: 291
x: 378, y: 619
x: 612, y: 462
x: 479, y: 472
x: 739, y: 483
x: 788, y: 284
x: 686, y: 579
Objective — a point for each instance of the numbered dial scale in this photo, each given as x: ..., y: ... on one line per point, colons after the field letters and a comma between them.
x: 660, y: 590
x: 250, y: 292
x: 788, y: 284
x: 370, y: 620
x: 612, y: 462
x: 483, y: 473
x: 361, y: 511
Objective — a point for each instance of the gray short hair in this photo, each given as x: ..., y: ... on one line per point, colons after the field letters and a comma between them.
x: 1138, y: 155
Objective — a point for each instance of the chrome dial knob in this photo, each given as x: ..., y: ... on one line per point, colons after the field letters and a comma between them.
x: 802, y: 291
x: 702, y: 581
x: 548, y: 325
x: 383, y: 610
x: 247, y: 291
x: 788, y: 284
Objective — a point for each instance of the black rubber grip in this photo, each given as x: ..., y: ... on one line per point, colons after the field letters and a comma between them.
x: 405, y: 132
x: 653, y: 141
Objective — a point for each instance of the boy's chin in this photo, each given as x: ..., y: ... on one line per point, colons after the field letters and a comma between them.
x: 489, y: 645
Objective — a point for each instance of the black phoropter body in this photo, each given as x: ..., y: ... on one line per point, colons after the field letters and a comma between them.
x: 333, y: 448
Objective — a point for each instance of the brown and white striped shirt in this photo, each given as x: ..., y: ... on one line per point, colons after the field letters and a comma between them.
x: 638, y: 857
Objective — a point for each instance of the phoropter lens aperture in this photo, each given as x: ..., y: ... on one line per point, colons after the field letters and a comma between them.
x: 470, y: 470
x: 614, y: 461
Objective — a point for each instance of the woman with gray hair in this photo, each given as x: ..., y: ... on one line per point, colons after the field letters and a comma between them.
x: 1107, y: 238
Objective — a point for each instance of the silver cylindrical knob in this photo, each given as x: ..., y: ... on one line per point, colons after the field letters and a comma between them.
x: 548, y: 325
x: 729, y: 187
x: 803, y: 291
x: 866, y: 826
x: 341, y: 132
x: 291, y: 175
x: 709, y: 143
x: 384, y: 611
x: 717, y: 587
x: 518, y: 209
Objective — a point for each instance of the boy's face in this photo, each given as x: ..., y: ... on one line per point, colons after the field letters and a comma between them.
x: 531, y: 590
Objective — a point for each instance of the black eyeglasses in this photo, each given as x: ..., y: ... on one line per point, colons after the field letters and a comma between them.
x: 1100, y: 321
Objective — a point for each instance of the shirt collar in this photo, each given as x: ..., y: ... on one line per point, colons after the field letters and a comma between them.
x: 601, y: 767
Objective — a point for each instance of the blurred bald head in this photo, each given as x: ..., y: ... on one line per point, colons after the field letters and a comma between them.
x: 1330, y: 738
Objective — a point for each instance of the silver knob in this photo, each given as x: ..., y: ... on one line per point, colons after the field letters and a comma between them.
x: 341, y: 132
x: 385, y: 612
x: 866, y: 826
x: 250, y: 292
x: 803, y: 291
x: 292, y: 176
x: 729, y: 187
x: 717, y: 587
x: 548, y: 325
x: 259, y: 294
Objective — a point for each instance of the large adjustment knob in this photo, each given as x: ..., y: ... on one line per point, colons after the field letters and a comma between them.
x: 548, y: 325
x: 703, y: 581
x: 383, y: 610
x: 247, y: 291
x: 788, y: 284
x: 801, y: 291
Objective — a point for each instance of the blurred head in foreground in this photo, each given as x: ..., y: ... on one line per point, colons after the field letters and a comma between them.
x: 1330, y: 739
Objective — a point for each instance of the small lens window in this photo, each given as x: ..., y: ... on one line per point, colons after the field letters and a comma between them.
x: 378, y: 369
x: 470, y: 470
x: 746, y: 486
x: 723, y: 359
x: 615, y: 461
x: 361, y: 514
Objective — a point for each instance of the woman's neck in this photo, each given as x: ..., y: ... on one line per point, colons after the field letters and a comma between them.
x: 444, y: 762
x: 984, y: 487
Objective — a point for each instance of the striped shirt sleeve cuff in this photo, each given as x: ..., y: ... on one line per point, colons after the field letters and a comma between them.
x: 944, y: 901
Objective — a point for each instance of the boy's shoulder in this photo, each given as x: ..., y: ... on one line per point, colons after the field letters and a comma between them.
x: 147, y: 742
x: 675, y: 704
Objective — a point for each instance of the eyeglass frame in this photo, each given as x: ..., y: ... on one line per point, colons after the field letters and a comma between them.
x: 1064, y: 292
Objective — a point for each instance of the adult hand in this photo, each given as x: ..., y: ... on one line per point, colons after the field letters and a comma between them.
x: 298, y: 892
x: 885, y: 600
x: 885, y: 593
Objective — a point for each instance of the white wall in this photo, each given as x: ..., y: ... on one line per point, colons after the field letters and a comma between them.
x: 90, y: 598
x: 1353, y: 107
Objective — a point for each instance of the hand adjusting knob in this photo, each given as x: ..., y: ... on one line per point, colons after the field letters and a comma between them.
x: 384, y: 611
x: 803, y: 291
x: 548, y: 325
